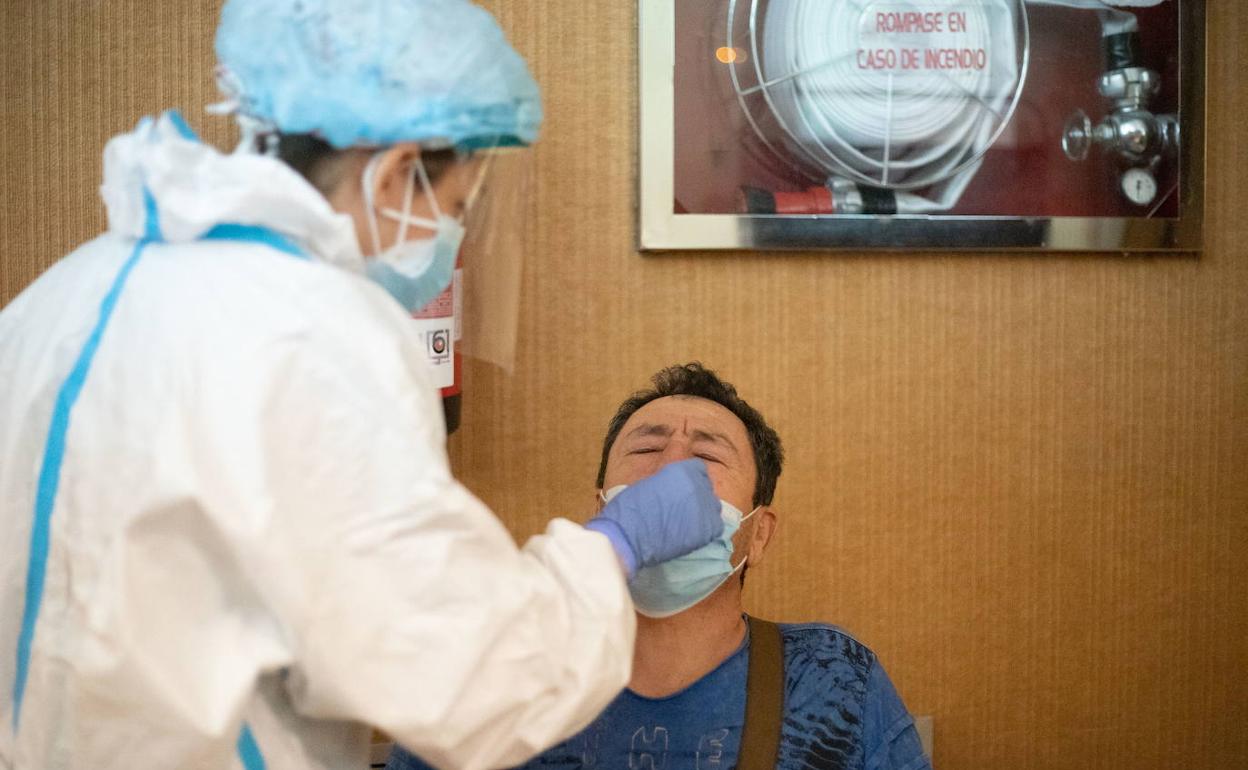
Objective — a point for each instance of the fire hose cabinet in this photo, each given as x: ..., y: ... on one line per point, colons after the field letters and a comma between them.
x: 1066, y: 125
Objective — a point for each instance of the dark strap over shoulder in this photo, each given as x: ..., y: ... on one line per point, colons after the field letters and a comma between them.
x: 764, y: 698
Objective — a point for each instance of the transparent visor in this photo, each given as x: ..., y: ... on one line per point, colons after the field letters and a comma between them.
x: 486, y: 191
x: 497, y: 221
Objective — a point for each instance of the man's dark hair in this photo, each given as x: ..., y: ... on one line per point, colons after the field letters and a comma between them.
x: 693, y: 379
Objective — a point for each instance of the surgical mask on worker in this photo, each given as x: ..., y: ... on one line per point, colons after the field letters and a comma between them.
x: 674, y: 586
x: 415, y: 271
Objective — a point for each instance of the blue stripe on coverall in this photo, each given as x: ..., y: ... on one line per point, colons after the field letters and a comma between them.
x: 54, y: 451
x: 54, y: 456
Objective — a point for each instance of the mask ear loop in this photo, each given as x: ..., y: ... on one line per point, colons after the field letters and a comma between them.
x: 427, y: 187
x: 405, y: 216
x: 366, y: 182
x: 744, y: 518
x: 602, y: 493
x: 407, y: 204
x: 404, y: 220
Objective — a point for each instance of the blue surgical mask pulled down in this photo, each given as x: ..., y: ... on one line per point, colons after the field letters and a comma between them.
x: 674, y: 586
x: 415, y: 271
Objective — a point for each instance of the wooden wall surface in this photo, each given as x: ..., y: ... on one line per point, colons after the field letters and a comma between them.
x: 1022, y: 479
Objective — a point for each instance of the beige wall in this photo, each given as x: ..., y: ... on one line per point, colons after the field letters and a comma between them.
x: 1022, y: 480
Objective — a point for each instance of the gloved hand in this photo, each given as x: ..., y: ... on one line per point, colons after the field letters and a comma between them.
x: 666, y: 515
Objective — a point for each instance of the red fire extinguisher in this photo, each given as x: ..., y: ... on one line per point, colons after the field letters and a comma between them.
x: 440, y: 322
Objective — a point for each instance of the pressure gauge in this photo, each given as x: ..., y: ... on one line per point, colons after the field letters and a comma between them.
x: 1139, y: 186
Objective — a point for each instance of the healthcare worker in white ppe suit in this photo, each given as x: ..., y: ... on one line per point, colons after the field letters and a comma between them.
x: 230, y: 537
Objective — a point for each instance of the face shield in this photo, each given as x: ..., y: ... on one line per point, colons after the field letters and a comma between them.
x: 472, y: 202
x: 491, y: 259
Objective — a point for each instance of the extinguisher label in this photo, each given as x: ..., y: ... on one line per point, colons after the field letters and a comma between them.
x: 438, y: 325
x: 439, y: 339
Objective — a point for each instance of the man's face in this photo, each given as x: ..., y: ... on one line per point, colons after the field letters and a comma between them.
x: 675, y: 428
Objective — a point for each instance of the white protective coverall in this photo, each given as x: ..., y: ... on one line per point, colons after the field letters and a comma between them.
x: 254, y: 544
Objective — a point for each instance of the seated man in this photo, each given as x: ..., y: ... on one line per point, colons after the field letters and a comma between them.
x: 685, y: 706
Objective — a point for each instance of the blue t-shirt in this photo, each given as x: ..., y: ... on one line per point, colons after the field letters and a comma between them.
x: 841, y: 712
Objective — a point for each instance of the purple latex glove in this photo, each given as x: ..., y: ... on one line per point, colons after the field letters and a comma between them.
x: 666, y: 515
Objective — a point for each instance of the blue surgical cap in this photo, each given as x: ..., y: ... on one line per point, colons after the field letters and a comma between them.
x: 377, y: 72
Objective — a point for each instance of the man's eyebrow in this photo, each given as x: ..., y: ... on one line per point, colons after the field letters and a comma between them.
x: 650, y: 429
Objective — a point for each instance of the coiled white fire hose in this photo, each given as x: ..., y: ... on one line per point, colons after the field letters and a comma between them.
x: 902, y: 95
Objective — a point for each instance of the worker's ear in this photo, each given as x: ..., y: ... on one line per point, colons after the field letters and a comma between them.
x: 391, y: 178
x: 389, y: 182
